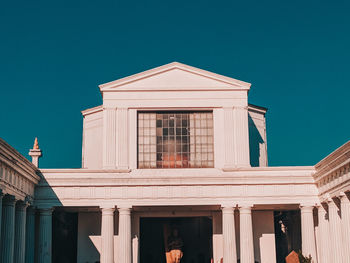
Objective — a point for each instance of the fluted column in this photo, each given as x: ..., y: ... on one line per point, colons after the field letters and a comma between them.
x: 45, y: 236
x: 308, y: 244
x: 107, y: 235
x: 8, y: 229
x: 246, y: 234
x: 1, y: 195
x: 229, y: 235
x: 30, y: 235
x: 323, y: 225
x: 335, y: 232
x: 20, y: 232
x: 345, y: 219
x: 124, y: 234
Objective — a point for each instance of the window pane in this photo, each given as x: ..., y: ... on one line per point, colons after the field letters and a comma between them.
x: 175, y: 139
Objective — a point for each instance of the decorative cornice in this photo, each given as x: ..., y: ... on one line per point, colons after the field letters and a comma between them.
x: 250, y: 176
x: 13, y: 159
x: 339, y: 157
x: 238, y: 84
x: 92, y: 110
x: 257, y: 109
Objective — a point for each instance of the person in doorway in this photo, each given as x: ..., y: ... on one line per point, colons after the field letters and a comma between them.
x: 175, y: 246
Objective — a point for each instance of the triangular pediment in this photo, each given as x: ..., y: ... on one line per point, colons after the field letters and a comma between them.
x: 175, y: 76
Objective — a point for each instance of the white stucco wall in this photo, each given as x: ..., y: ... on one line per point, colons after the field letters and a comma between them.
x: 92, y: 140
x: 264, y: 236
x: 89, y: 237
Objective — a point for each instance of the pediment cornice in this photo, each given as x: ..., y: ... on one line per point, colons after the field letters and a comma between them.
x: 174, y: 76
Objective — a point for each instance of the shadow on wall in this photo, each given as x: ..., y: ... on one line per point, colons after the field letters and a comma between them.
x: 64, y: 225
x: 75, y: 234
x: 255, y: 140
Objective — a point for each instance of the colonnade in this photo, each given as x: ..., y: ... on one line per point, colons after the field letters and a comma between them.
x: 334, y: 233
x: 17, y: 233
x: 334, y: 230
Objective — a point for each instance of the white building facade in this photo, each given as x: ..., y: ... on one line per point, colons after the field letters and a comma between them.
x: 177, y: 146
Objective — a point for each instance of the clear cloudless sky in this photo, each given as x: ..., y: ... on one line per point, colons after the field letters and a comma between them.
x: 296, y: 54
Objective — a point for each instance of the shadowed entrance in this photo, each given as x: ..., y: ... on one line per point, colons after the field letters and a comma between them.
x: 196, y: 233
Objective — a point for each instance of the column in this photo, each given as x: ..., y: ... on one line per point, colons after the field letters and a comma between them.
x: 246, y: 234
x: 0, y: 212
x: 323, y: 223
x: 335, y: 231
x: 124, y: 235
x: 20, y: 232
x: 30, y: 235
x: 8, y: 229
x: 45, y: 236
x: 308, y: 244
x: 345, y: 219
x: 107, y: 235
x: 229, y: 235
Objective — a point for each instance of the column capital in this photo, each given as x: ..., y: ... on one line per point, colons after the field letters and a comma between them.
x: 126, y: 210
x: 306, y: 208
x: 46, y: 211
x: 343, y: 197
x: 245, y: 209
x: 31, y: 210
x: 107, y: 210
x: 228, y: 208
x: 21, y: 205
x: 9, y: 200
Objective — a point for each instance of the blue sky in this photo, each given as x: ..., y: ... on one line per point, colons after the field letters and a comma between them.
x: 53, y: 55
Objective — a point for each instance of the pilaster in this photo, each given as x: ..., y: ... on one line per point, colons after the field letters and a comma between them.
x: 20, y: 232
x: 45, y: 236
x: 308, y: 241
x: 246, y: 234
x: 335, y: 231
x: 229, y: 138
x: 229, y: 235
x: 109, y: 138
x: 345, y: 219
x: 122, y: 154
x: 124, y: 234
x: 107, y: 235
x: 8, y: 229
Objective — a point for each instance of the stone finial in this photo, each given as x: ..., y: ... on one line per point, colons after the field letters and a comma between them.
x: 35, y: 153
x: 36, y: 144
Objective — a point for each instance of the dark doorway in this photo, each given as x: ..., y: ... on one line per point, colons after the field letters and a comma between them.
x: 64, y: 237
x: 287, y: 233
x: 196, y: 233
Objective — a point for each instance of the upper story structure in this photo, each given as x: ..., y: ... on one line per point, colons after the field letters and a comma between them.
x: 174, y: 116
